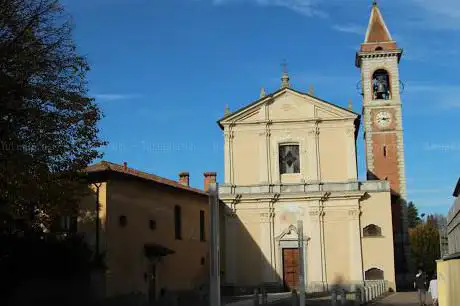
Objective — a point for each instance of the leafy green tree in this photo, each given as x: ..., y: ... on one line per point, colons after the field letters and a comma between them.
x: 412, y: 215
x: 424, y: 241
x: 48, y: 123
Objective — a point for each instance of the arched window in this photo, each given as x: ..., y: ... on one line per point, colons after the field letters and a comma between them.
x: 378, y: 49
x: 381, y: 85
x: 374, y: 274
x: 372, y: 230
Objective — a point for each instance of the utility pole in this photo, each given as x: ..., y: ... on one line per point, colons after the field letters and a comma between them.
x: 214, y: 246
x: 301, y: 263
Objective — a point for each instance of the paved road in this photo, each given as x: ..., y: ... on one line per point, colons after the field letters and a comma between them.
x: 402, y: 299
x: 396, y: 299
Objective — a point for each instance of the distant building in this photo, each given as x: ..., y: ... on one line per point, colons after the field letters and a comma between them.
x: 453, y: 223
x: 153, y: 233
x: 449, y: 266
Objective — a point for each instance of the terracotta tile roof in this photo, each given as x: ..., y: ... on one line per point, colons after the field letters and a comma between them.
x: 112, y: 167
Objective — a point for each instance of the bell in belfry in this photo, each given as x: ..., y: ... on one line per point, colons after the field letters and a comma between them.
x: 381, y: 87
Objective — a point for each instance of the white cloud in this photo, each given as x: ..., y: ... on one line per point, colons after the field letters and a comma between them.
x: 447, y: 96
x: 428, y: 191
x: 305, y: 7
x: 350, y: 28
x: 443, y: 14
x: 116, y: 97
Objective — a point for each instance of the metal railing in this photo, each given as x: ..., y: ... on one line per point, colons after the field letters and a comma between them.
x: 362, y: 295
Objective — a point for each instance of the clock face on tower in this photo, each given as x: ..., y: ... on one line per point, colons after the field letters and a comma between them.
x: 383, y: 119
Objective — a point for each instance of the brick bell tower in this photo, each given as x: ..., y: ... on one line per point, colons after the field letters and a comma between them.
x: 378, y: 59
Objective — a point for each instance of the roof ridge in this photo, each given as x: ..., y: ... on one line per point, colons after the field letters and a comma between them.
x: 107, y: 165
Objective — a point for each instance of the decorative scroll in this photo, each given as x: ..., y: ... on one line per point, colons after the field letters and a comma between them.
x: 354, y: 213
x: 350, y: 131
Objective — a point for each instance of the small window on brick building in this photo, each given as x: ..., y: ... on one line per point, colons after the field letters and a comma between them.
x: 289, y: 159
x: 372, y: 230
x: 378, y: 49
x: 385, y: 151
x: 202, y: 261
x: 123, y: 221
x: 374, y: 274
x: 153, y: 225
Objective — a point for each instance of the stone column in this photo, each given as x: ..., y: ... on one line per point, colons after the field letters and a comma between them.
x: 352, y: 166
x: 356, y: 261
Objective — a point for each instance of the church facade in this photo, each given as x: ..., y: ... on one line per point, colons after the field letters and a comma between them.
x: 291, y: 156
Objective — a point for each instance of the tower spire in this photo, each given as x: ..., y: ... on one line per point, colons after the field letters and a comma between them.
x: 378, y: 37
x: 377, y: 30
x: 285, y: 76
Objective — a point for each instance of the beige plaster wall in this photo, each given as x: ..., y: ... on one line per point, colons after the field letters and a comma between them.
x: 337, y: 244
x: 86, y: 222
x: 333, y: 239
x: 334, y: 152
x: 141, y: 202
x: 324, y: 133
x: 378, y: 251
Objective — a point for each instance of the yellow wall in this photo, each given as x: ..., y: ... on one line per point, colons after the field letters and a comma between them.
x: 141, y: 202
x: 333, y: 150
x: 87, y: 216
x: 337, y: 245
x: 246, y: 158
x: 335, y: 239
x: 448, y: 272
x: 378, y: 251
x: 252, y: 141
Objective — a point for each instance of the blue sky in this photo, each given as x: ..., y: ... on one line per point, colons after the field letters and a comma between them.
x: 163, y: 71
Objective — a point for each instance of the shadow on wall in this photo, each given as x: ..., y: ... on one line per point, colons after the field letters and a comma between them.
x: 404, y: 266
x: 245, y: 268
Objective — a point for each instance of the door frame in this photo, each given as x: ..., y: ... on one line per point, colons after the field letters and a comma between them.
x: 288, y: 240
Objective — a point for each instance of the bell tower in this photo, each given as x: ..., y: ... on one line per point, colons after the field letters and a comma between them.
x: 378, y: 59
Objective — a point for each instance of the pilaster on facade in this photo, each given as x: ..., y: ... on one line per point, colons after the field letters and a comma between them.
x: 317, y: 250
x: 356, y: 260
x: 316, y: 132
x: 351, y: 167
x: 229, y: 135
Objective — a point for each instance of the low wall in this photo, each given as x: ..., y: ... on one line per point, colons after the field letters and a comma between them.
x: 449, y: 281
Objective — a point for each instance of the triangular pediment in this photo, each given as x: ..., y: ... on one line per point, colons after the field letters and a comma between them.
x: 288, y: 104
x: 291, y: 233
